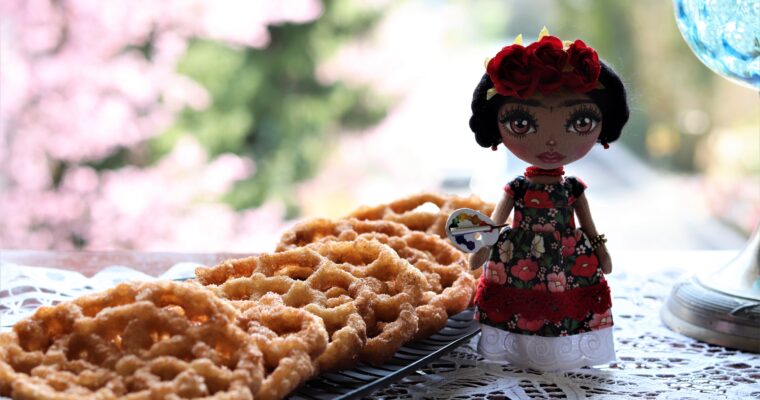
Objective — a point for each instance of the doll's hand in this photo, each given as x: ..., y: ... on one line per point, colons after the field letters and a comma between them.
x: 604, y: 259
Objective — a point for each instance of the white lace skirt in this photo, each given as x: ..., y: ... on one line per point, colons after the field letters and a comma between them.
x: 548, y: 353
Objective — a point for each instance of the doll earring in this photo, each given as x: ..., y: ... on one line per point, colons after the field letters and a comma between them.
x: 495, y: 147
x: 606, y: 145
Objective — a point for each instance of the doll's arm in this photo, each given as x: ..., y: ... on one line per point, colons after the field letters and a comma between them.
x: 499, y: 216
x: 587, y: 224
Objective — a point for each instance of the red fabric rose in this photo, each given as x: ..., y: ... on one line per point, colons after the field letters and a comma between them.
x: 585, y: 266
x: 537, y: 199
x: 531, y: 325
x: 585, y: 68
x: 568, y: 246
x: 511, y: 72
x: 547, y: 58
x: 601, y: 321
x: 545, y: 228
x: 525, y: 270
x: 557, y: 282
x: 495, y: 272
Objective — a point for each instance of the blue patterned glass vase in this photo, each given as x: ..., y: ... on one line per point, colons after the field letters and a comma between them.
x: 725, y: 36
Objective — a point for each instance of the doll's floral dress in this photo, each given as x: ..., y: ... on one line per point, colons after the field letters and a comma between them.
x: 542, y: 300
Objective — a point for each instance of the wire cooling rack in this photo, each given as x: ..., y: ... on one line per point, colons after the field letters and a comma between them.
x: 365, y: 378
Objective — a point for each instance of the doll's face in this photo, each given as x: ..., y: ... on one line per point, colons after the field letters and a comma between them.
x: 550, y: 131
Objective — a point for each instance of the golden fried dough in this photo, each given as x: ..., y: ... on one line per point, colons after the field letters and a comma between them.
x: 386, y: 293
x: 365, y: 294
x: 135, y: 341
x: 303, y: 279
x: 405, y: 211
x: 291, y: 339
x: 449, y: 285
x: 321, y: 229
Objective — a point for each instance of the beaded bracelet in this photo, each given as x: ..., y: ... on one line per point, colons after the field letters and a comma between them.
x: 597, y: 241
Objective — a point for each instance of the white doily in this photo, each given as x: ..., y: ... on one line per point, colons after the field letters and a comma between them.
x: 652, y: 361
x: 23, y: 289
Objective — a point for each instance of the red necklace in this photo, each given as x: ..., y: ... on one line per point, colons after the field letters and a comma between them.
x: 536, y: 171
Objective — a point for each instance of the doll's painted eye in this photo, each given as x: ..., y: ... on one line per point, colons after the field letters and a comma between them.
x: 518, y: 122
x: 583, y: 121
x: 519, y: 126
x: 583, y: 125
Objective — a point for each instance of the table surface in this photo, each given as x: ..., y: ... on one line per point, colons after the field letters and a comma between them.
x: 653, y: 361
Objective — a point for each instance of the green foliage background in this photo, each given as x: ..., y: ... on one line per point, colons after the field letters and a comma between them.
x: 269, y: 105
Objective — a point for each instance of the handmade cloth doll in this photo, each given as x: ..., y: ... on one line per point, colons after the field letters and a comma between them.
x: 542, y: 299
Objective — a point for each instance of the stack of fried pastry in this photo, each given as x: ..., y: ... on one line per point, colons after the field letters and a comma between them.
x: 335, y: 292
x: 379, y: 278
x: 160, y: 340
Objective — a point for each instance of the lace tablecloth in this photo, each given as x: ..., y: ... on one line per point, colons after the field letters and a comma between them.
x: 652, y: 361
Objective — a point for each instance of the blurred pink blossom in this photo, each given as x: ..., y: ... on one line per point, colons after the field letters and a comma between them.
x: 75, y: 89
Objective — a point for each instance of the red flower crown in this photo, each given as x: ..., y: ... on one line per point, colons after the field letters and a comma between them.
x: 545, y: 65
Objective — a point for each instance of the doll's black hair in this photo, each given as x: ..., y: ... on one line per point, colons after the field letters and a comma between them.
x: 611, y: 102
